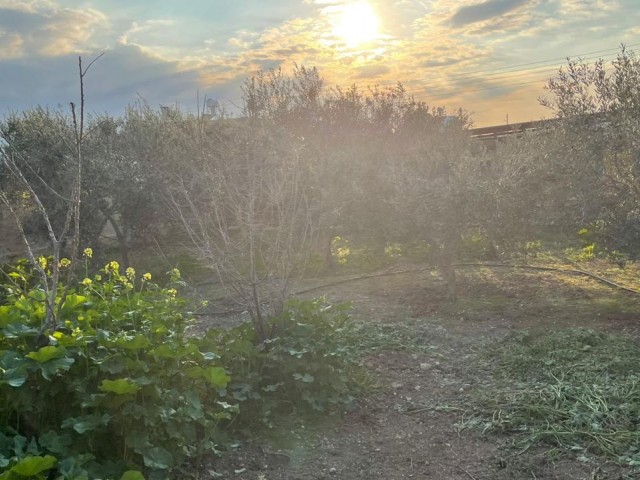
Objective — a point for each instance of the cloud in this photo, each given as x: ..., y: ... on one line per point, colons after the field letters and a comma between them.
x: 123, y: 75
x: 371, y: 71
x: 588, y: 7
x: 135, y: 33
x: 42, y: 28
x: 485, y: 11
x: 428, y: 45
x: 11, y: 45
x: 294, y: 41
x: 632, y: 32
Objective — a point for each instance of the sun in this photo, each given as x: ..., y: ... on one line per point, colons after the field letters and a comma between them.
x: 356, y: 23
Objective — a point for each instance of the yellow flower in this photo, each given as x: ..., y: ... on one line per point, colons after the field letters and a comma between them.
x: 42, y: 261
x: 172, y: 292
x: 88, y: 252
x: 175, y: 273
x: 98, y: 278
x: 146, y: 276
x: 64, y: 263
x: 112, y: 266
x: 204, y: 303
x: 87, y: 282
x: 131, y: 273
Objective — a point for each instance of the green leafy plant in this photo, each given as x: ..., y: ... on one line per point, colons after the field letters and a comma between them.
x: 119, y: 380
x: 586, y: 253
x: 306, y: 365
x: 476, y: 246
x: 121, y: 388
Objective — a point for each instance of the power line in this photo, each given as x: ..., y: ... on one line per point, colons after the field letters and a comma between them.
x: 443, y: 89
x: 439, y: 83
x: 557, y: 59
x: 502, y: 75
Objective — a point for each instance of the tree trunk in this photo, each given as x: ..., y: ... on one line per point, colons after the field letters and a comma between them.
x: 447, y: 270
x: 122, y: 241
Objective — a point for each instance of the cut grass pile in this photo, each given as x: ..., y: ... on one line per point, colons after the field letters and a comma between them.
x: 574, y: 390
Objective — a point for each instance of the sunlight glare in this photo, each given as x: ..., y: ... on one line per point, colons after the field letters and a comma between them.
x: 357, y: 23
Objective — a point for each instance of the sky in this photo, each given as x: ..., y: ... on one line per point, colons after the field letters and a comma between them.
x: 489, y: 57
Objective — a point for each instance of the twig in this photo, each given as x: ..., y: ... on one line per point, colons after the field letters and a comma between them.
x: 465, y: 471
x: 461, y: 469
x: 435, y: 409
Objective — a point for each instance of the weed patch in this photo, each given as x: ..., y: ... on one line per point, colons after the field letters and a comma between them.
x: 575, y: 390
x: 366, y: 339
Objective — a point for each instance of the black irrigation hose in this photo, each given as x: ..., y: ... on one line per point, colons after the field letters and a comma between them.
x: 567, y: 271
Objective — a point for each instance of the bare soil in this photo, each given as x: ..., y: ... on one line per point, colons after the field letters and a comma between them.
x: 406, y: 428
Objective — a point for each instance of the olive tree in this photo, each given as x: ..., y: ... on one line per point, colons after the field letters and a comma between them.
x: 597, y: 109
x: 432, y: 173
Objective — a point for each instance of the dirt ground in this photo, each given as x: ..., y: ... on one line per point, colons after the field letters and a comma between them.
x: 406, y: 429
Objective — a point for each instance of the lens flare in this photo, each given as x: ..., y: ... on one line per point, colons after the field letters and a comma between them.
x: 356, y: 24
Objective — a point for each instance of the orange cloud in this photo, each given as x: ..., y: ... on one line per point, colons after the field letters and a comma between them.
x: 47, y: 29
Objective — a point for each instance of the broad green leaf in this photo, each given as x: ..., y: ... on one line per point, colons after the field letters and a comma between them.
x: 166, y: 351
x: 19, y: 445
x: 7, y: 315
x: 143, y: 380
x: 72, y: 468
x: 55, y: 442
x: 138, y: 440
x: 5, y: 442
x: 31, y: 466
x: 14, y: 377
x: 133, y: 343
x: 32, y: 447
x: 86, y: 423
x: 37, y: 295
x: 158, y: 457
x: 132, y: 475
x: 72, y: 302
x: 23, y: 304
x: 121, y: 386
x: 112, y: 365
x: 13, y: 368
x: 55, y: 366
x: 19, y: 330
x: 240, y: 346
x: 216, y: 376
x: 45, y: 354
x: 193, y: 407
